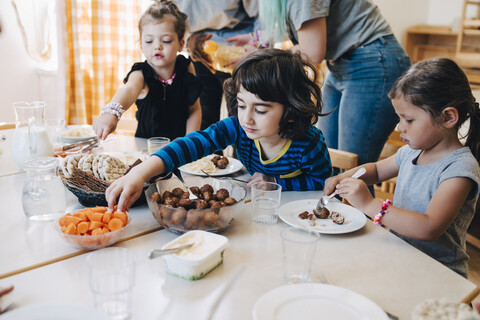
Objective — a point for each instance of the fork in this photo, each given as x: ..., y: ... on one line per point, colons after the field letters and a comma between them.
x: 177, y: 173
x: 223, y: 178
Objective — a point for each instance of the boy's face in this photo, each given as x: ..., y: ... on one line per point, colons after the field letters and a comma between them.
x: 260, y: 119
x: 416, y: 126
x: 160, y: 42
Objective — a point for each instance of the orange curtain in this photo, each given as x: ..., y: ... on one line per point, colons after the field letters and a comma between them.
x: 101, y: 47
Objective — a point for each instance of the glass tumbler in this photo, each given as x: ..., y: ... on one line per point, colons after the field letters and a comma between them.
x: 43, y: 196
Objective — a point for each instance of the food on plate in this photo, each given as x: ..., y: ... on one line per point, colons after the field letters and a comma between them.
x: 92, y: 221
x: 204, y: 164
x: 336, y: 217
x: 79, y: 132
x: 208, y: 164
x: 435, y: 309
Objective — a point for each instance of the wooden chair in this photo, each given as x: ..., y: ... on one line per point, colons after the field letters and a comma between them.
x: 343, y: 160
x: 465, y: 56
x: 386, y: 189
x: 7, y: 125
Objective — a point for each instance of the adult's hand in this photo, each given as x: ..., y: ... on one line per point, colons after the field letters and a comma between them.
x: 195, y: 45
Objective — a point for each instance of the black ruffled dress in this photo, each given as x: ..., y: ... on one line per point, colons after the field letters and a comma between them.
x: 164, y: 111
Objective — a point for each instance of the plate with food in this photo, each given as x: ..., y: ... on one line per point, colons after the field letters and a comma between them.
x: 77, y: 133
x: 214, y: 165
x: 315, y: 301
x: 338, y: 218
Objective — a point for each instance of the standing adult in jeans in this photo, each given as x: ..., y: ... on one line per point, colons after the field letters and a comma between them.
x: 364, y: 60
x: 222, y: 20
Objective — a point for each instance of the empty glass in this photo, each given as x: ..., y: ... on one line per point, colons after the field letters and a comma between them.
x: 43, y: 196
x: 266, y: 200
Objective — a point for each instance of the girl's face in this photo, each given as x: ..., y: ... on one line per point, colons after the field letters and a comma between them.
x: 160, y: 42
x: 416, y: 126
x: 260, y: 119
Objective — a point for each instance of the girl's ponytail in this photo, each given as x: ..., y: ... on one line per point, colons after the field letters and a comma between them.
x: 473, y: 135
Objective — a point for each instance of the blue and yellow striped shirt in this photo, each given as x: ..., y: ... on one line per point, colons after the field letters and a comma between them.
x: 303, y: 164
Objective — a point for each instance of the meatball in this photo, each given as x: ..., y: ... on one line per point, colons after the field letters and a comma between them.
x: 167, y: 194
x: 171, y: 201
x: 185, y: 195
x: 230, y: 201
x: 210, y: 218
x: 303, y: 215
x: 205, y: 188
x: 323, y: 214
x: 186, y: 203
x: 207, y: 196
x: 218, y: 204
x: 215, y: 159
x: 222, y: 194
x: 201, y: 204
x: 177, y: 192
x: 178, y: 216
x: 337, y: 217
x: 196, y: 191
x: 222, y: 163
x: 156, y: 197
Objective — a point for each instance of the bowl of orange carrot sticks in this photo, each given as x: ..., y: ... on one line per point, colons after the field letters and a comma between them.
x: 93, y: 227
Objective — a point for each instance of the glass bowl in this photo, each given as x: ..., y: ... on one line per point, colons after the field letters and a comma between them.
x: 93, y: 242
x: 181, y: 220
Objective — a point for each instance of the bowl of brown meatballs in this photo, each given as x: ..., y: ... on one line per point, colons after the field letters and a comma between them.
x: 219, y: 203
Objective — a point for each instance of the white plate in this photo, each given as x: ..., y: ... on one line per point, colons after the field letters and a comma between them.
x: 354, y: 219
x: 315, y: 301
x: 234, y: 165
x: 78, y: 139
x: 55, y: 312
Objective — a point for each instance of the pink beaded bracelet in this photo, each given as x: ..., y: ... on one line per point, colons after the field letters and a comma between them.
x: 113, y: 108
x: 379, y: 216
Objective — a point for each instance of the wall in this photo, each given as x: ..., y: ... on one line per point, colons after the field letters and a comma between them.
x: 23, y: 80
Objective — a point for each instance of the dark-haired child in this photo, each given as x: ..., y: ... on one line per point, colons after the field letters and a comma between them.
x: 274, y: 103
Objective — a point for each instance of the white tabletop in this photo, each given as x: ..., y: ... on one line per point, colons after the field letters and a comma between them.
x: 36, y: 243
x: 370, y: 261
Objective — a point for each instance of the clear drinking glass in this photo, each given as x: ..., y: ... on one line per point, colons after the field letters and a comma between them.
x: 156, y: 143
x: 299, y: 248
x: 112, y: 276
x: 43, y: 196
x: 55, y: 129
x: 266, y: 201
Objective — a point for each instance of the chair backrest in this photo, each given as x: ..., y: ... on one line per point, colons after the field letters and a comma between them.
x: 343, y: 160
x: 7, y: 125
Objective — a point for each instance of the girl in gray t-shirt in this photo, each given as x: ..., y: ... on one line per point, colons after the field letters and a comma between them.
x: 438, y: 177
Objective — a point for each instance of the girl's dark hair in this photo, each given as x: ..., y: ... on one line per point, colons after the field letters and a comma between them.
x: 436, y: 84
x: 279, y: 76
x: 158, y: 10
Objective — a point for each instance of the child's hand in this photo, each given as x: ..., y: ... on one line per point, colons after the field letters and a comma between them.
x: 128, y: 187
x: 331, y: 184
x: 259, y: 177
x: 105, y: 124
x: 356, y: 192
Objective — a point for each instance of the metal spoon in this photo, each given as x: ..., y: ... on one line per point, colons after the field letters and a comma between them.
x: 324, y: 200
x: 160, y: 252
x: 223, y: 178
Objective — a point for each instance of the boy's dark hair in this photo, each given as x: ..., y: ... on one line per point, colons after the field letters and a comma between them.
x: 436, y: 84
x: 158, y: 10
x: 279, y: 76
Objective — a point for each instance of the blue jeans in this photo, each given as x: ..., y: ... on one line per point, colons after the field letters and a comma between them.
x: 357, y: 86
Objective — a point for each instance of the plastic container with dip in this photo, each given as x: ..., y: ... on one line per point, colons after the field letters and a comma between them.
x: 198, y: 260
